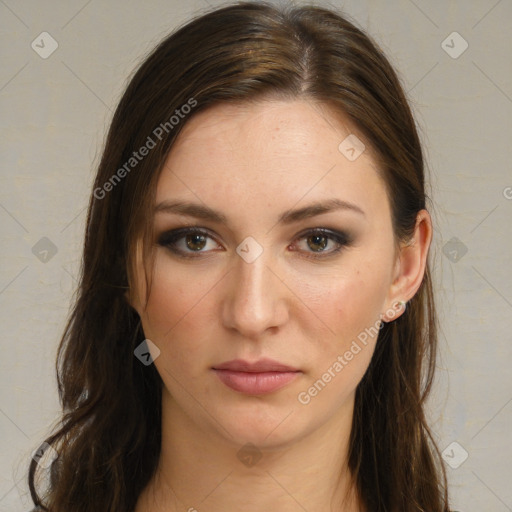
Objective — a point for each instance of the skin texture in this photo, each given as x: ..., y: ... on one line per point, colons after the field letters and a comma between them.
x: 252, y: 162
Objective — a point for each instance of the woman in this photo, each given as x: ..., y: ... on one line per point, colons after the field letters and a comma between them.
x: 240, y: 339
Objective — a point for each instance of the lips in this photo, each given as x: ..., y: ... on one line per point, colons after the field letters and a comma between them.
x: 261, y: 377
x: 262, y: 365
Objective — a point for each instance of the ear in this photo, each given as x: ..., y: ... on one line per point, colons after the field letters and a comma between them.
x: 410, y: 267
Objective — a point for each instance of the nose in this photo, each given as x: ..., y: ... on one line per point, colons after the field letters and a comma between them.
x: 255, y: 298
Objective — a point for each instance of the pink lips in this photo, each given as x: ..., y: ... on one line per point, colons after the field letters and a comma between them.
x: 263, y: 376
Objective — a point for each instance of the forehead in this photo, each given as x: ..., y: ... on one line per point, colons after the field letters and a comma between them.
x: 270, y: 152
x: 300, y: 126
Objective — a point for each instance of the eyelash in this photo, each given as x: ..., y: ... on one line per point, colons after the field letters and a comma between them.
x: 170, y: 238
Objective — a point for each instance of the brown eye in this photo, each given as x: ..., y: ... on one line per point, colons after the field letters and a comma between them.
x: 195, y: 242
x: 187, y: 242
x: 317, y: 242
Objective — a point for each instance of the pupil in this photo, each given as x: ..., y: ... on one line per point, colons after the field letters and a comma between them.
x: 196, y: 239
x: 316, y: 241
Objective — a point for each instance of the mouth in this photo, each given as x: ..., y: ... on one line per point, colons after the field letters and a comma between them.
x: 258, y: 378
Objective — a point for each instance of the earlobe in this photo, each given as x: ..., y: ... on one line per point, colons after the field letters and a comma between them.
x: 411, y: 266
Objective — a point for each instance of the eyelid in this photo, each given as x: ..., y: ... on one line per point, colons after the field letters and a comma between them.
x: 166, y: 239
x: 341, y: 238
x: 332, y: 232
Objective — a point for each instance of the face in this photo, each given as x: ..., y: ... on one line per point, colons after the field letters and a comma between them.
x: 246, y: 269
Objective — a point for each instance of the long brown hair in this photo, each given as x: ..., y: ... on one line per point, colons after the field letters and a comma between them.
x: 108, y: 438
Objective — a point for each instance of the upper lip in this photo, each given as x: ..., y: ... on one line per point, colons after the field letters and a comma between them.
x: 262, y: 365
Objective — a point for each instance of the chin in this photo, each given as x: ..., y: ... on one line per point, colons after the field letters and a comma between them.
x: 267, y: 427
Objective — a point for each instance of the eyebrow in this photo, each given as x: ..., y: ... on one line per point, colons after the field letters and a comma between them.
x: 204, y: 212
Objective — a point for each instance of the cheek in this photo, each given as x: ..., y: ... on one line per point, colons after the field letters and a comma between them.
x: 351, y: 310
x: 347, y: 302
x: 177, y: 312
x: 358, y: 306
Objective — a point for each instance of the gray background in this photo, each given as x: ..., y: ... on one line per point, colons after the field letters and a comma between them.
x: 54, y: 115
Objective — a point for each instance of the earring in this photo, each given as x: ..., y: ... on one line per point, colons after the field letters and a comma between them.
x: 391, y: 313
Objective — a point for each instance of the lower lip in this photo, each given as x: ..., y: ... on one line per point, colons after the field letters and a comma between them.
x: 255, y: 383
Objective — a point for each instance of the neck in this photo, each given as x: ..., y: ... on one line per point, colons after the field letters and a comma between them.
x: 207, y: 471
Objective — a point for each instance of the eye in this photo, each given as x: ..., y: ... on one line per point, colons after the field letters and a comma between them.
x: 186, y: 241
x: 190, y: 242
x: 315, y: 242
